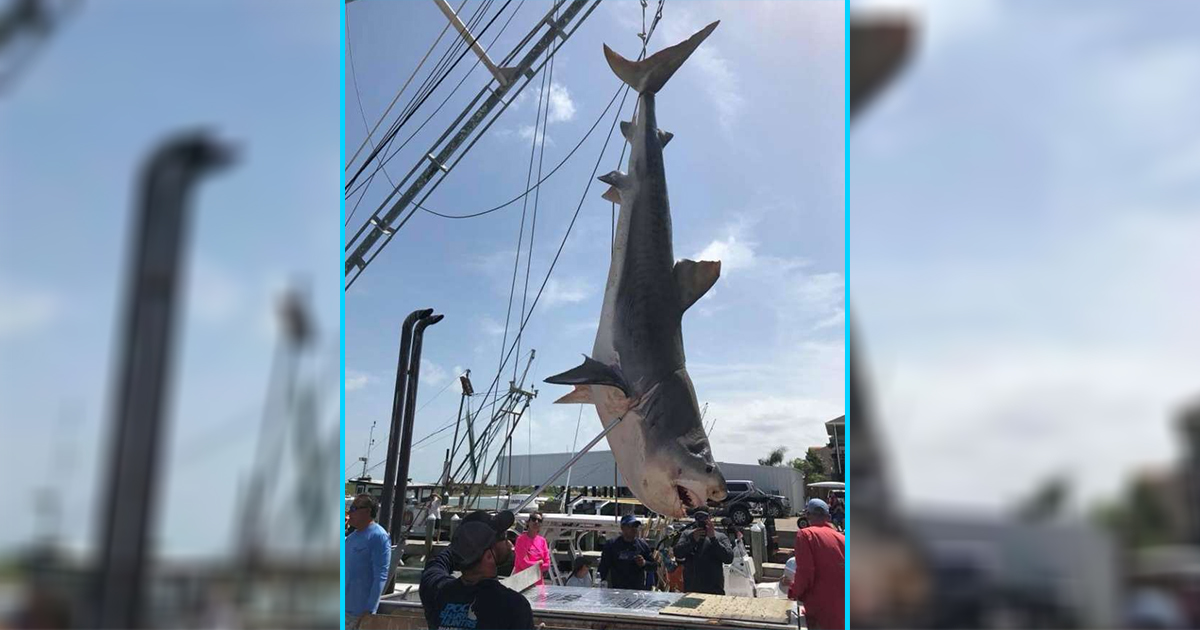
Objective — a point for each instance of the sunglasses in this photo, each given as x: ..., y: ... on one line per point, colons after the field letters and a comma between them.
x: 535, y: 521
x: 355, y: 508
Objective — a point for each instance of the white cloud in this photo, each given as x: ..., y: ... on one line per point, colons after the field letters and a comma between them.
x: 215, y: 296
x: 782, y: 400
x: 1074, y: 356
x: 357, y: 380
x: 942, y: 22
x: 457, y: 372
x: 491, y: 327
x: 833, y: 321
x: 1147, y: 96
x: 527, y: 132
x: 432, y: 373
x: 562, y: 108
x: 23, y: 311
x: 569, y: 291
x: 733, y: 253
x: 718, y: 81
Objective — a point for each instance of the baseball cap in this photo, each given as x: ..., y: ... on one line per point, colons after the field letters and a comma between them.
x: 817, y: 505
x: 790, y: 567
x: 630, y: 519
x: 701, y: 516
x: 477, y: 533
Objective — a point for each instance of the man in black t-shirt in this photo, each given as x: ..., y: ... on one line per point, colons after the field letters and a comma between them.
x: 625, y: 561
x: 477, y: 599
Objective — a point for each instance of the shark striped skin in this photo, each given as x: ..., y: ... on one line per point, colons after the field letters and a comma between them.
x: 636, y: 371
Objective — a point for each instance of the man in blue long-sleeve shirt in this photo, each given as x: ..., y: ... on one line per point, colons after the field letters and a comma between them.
x: 368, y: 556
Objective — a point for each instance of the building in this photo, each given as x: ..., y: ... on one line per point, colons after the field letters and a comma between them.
x: 598, y: 468
x: 836, y: 430
x: 1070, y: 567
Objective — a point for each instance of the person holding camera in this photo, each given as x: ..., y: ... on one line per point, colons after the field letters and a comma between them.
x: 703, y: 552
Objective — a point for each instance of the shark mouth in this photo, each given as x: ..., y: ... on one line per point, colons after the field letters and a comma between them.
x: 687, y: 498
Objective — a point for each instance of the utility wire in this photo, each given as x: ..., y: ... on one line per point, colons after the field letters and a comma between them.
x: 539, y: 182
x: 383, y: 116
x: 461, y: 155
x: 548, y: 88
x: 467, y: 48
x: 366, y: 184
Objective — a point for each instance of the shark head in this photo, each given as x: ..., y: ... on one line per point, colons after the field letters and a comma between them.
x: 677, y: 468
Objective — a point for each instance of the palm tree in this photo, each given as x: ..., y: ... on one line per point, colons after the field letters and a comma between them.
x: 775, y: 458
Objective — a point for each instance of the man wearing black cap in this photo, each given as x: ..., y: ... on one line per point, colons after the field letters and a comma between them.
x: 477, y: 599
x: 703, y: 552
x: 626, y: 560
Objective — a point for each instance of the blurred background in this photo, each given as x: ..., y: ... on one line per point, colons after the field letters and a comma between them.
x: 1025, y: 435
x: 168, y: 187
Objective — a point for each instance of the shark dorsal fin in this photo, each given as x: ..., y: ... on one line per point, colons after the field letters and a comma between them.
x: 694, y: 279
x: 663, y: 136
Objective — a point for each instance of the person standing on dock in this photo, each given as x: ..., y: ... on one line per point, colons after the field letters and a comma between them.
x: 820, y: 581
x: 435, y: 510
x: 703, y: 552
x: 476, y: 599
x: 368, y: 555
x: 625, y: 561
x: 531, y: 548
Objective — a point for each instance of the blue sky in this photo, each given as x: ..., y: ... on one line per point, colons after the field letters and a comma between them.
x: 1023, y: 227
x: 116, y: 79
x: 756, y: 179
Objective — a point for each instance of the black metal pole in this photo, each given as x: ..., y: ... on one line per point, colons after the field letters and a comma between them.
x: 410, y: 403
x: 465, y: 380
x: 141, y: 397
x: 389, y: 469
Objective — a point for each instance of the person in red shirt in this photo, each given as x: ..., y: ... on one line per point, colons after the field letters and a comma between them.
x: 820, y: 581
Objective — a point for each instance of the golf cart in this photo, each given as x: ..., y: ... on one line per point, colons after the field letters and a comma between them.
x: 822, y: 490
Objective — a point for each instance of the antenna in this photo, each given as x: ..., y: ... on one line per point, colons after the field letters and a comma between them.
x: 370, y: 444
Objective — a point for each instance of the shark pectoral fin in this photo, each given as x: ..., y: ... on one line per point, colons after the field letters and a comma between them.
x: 590, y: 372
x: 616, y: 179
x: 613, y: 194
x: 663, y: 136
x: 650, y: 74
x: 694, y: 279
x: 581, y: 395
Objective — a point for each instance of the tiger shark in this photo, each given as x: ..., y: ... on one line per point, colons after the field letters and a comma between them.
x: 636, y: 373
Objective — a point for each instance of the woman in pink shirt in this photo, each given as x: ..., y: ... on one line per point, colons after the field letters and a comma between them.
x: 531, y: 548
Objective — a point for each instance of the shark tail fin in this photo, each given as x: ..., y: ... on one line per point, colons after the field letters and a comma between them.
x: 649, y: 75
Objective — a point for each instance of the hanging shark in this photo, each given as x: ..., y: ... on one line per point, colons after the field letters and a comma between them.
x: 636, y: 370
